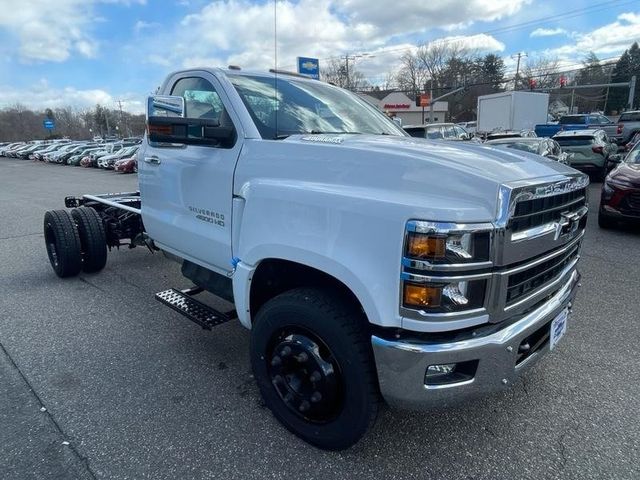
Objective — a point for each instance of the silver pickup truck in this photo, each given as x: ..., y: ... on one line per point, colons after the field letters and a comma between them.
x: 629, y: 123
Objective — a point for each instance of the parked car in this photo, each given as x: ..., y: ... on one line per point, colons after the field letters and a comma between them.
x: 546, y: 147
x: 620, y: 195
x: 25, y: 152
x: 80, y: 154
x: 39, y: 155
x: 510, y: 134
x: 629, y: 123
x: 59, y: 155
x: 632, y: 143
x: 470, y: 127
x: 6, y: 150
x: 579, y: 122
x: 108, y: 161
x: 127, y: 165
x: 591, y: 150
x: 438, y: 131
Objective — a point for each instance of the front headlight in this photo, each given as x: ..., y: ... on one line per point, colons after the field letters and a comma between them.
x: 447, y: 243
x: 444, y: 295
x: 445, y: 266
x: 607, y: 191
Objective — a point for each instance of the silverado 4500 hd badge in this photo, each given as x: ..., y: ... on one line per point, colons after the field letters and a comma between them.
x: 208, y: 216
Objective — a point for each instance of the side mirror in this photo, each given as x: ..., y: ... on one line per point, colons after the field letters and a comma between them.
x: 615, y: 158
x: 464, y: 136
x: 165, y: 106
x: 166, y: 124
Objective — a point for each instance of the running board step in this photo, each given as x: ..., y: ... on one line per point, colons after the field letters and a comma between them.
x: 196, y: 311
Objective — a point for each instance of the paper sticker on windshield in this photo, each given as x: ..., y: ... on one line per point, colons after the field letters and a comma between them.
x: 323, y: 139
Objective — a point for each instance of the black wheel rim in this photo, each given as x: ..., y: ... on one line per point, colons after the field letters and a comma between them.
x: 305, y: 374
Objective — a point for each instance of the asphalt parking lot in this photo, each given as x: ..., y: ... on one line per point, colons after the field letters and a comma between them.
x: 98, y: 380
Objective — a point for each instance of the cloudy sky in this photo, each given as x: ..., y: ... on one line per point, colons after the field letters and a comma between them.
x: 81, y: 52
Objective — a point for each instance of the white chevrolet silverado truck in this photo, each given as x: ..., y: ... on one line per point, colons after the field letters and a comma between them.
x: 367, y: 264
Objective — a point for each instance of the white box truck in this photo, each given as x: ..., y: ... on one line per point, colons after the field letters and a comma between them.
x: 512, y: 111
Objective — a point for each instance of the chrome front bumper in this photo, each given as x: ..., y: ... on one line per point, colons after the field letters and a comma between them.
x: 402, y: 365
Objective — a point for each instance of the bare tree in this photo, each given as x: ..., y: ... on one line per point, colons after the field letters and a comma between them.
x: 337, y: 73
x: 412, y: 75
x: 438, y: 56
x: 544, y: 71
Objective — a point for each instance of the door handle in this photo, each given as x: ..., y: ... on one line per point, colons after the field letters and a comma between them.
x: 152, y: 159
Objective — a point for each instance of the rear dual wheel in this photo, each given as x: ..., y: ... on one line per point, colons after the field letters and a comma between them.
x: 75, y: 241
x: 63, y: 243
x: 93, y: 241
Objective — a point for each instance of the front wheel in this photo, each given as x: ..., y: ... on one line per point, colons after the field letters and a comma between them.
x: 312, y: 359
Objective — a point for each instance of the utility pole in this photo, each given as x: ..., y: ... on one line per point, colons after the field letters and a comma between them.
x: 518, y: 56
x: 122, y: 122
x: 573, y: 94
x: 632, y: 92
x: 346, y: 64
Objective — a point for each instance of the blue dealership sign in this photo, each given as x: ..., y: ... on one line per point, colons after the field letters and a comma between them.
x: 48, y: 124
x: 309, y: 67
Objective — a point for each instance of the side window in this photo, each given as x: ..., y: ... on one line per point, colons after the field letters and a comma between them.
x: 434, y: 133
x: 201, y: 101
x: 449, y: 132
x: 604, y: 120
x: 200, y: 98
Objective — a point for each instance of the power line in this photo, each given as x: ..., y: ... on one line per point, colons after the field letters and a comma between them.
x: 506, y: 29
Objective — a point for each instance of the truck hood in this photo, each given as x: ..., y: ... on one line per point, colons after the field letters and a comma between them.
x: 474, y: 159
x: 438, y: 180
x: 627, y: 173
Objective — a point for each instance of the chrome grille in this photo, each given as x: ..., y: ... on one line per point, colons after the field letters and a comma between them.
x: 526, y: 282
x: 541, y: 211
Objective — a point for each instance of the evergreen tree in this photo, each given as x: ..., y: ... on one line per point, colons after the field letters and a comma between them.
x: 628, y: 65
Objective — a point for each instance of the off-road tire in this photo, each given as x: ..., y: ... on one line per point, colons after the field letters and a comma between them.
x: 342, y: 327
x: 62, y: 241
x: 93, y: 241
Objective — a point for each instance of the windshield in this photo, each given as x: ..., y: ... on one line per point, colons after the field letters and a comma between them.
x: 303, y: 106
x: 630, y: 117
x: 574, y: 141
x: 577, y: 120
x: 633, y: 156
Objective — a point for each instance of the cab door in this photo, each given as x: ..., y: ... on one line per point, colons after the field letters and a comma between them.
x: 187, y: 189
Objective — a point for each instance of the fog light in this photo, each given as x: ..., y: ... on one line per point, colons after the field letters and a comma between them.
x: 421, y: 295
x: 450, y: 373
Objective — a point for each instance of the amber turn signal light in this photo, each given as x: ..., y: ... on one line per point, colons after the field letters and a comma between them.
x: 421, y: 295
x: 420, y: 245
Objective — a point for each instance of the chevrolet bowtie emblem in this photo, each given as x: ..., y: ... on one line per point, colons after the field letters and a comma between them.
x: 568, y: 224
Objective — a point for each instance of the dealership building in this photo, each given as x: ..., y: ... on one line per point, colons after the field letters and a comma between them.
x: 401, y: 105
